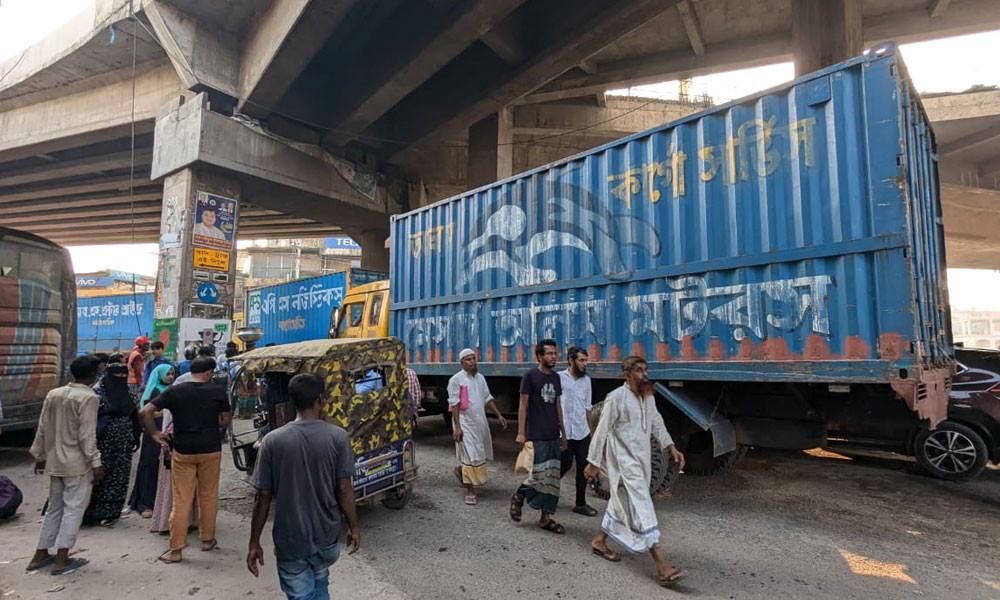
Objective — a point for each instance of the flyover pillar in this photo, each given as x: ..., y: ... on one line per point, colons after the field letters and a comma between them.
x: 825, y: 32
x: 491, y: 152
x: 374, y: 254
x: 196, y: 275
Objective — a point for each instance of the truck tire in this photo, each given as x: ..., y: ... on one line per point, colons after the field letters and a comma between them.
x: 703, y: 463
x: 951, y: 451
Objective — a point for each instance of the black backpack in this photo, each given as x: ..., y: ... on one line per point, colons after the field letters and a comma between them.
x: 10, y: 498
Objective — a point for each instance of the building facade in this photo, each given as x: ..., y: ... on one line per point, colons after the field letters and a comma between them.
x: 976, y: 328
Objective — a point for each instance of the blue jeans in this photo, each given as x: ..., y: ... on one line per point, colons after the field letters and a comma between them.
x: 308, y: 578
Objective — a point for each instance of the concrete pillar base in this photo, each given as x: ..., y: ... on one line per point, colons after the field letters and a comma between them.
x: 491, y: 152
x: 825, y: 32
x: 374, y: 254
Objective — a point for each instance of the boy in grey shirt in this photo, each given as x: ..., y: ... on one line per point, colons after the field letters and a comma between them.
x: 306, y: 467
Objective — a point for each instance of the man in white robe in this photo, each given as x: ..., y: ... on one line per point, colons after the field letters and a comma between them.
x: 471, y: 430
x: 621, y: 447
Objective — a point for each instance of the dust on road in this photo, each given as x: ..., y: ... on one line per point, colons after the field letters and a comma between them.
x: 782, y: 525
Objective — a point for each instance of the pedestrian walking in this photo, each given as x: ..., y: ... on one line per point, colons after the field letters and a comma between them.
x: 164, y: 503
x: 577, y: 404
x: 199, y: 408
x: 468, y: 398
x: 306, y: 468
x: 621, y: 446
x: 65, y: 448
x: 143, y: 497
x: 540, y: 421
x: 118, y: 435
x: 136, y: 363
x: 157, y: 359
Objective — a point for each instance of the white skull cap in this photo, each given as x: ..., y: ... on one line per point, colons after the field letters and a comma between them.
x: 466, y: 352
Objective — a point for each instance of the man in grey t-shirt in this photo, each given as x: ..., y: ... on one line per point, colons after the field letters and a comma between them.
x: 306, y: 466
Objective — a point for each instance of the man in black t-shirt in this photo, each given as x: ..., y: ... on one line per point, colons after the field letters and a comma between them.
x: 540, y: 422
x: 198, y: 407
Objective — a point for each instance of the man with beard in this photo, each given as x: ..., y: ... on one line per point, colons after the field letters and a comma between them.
x: 540, y: 421
x: 577, y: 402
x: 621, y: 446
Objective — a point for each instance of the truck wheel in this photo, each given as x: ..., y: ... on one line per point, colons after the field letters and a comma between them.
x: 396, y: 498
x: 952, y: 451
x: 698, y: 457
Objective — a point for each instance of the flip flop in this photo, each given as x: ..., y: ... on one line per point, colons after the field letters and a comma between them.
x: 74, y: 564
x: 48, y: 560
x: 470, y: 500
x: 212, y: 545
x: 516, y: 505
x: 671, y: 579
x: 585, y: 510
x: 163, y: 558
x: 147, y: 514
x: 606, y: 554
x: 553, y: 527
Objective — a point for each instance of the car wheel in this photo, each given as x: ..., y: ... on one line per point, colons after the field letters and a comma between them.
x: 951, y: 451
x: 396, y: 498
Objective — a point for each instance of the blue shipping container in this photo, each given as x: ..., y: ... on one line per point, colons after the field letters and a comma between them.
x: 791, y: 236
x: 111, y: 323
x: 295, y: 311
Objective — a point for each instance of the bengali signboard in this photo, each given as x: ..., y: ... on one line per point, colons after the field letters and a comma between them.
x: 216, y: 260
x: 109, y: 323
x: 297, y: 310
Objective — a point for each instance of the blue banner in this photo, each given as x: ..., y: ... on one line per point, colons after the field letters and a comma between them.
x: 106, y: 323
x: 295, y: 311
x: 84, y: 282
x: 342, y: 243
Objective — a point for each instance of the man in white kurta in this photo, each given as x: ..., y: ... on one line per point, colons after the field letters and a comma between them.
x: 473, y: 442
x: 621, y: 447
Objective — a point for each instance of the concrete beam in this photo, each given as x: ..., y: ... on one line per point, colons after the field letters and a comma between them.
x: 205, y: 59
x: 622, y: 117
x: 86, y: 186
x: 689, y: 18
x: 73, y: 168
x: 667, y: 66
x: 990, y: 167
x: 955, y: 107
x: 936, y: 8
x: 579, y: 28
x: 588, y: 66
x: 988, y: 136
x: 384, y: 84
x: 505, y: 40
x: 270, y: 171
x: 914, y: 25
x: 63, y: 204
x: 971, y: 218
x: 280, y: 47
x: 37, y: 128
x: 98, y: 217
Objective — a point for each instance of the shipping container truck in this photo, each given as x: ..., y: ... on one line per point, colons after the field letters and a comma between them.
x: 778, y: 260
x: 299, y: 310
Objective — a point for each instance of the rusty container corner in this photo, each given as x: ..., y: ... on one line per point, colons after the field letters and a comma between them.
x: 790, y: 236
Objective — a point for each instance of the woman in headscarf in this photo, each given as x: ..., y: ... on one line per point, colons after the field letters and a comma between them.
x: 143, y: 497
x: 117, y: 438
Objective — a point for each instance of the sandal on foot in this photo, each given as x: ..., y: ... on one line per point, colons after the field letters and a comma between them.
x: 671, y: 579
x: 147, y: 514
x: 471, y: 500
x: 585, y: 510
x: 106, y: 522
x: 163, y: 558
x: 48, y: 560
x: 606, y: 554
x: 74, y: 564
x: 516, y: 503
x: 554, y: 527
x: 210, y: 545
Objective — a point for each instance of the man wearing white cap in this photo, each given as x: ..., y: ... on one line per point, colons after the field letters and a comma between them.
x: 468, y: 397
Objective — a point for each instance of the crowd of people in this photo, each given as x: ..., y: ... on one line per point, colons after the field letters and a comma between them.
x: 173, y: 415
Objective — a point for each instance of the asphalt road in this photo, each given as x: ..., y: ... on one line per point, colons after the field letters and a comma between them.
x: 782, y: 525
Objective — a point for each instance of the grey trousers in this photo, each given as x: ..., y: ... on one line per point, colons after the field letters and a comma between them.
x: 68, y: 499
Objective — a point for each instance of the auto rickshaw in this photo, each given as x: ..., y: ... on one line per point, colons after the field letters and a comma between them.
x: 366, y: 394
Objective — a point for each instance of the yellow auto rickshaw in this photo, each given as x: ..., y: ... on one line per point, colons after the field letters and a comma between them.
x: 366, y: 394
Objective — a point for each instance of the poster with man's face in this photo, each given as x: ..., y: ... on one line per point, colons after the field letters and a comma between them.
x: 214, y: 222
